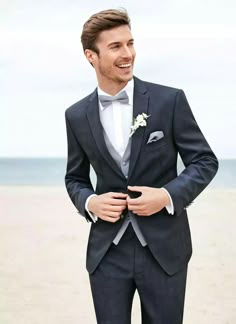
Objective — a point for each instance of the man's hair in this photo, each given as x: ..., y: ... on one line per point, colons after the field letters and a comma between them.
x: 103, y: 20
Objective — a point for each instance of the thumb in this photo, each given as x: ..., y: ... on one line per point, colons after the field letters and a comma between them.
x: 135, y: 188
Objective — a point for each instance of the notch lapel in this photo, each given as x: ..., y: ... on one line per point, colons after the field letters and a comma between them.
x: 97, y: 131
x: 140, y: 106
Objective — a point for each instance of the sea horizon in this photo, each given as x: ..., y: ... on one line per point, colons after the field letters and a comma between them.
x: 51, y: 171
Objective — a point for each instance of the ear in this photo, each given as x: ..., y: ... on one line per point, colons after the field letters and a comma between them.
x: 90, y: 55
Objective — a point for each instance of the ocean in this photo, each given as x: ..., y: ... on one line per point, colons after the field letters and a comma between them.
x: 51, y: 172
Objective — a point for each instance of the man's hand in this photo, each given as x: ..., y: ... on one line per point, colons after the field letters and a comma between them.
x: 108, y: 206
x: 150, y: 202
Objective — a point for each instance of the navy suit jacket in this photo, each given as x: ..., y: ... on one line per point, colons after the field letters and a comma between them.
x: 152, y: 165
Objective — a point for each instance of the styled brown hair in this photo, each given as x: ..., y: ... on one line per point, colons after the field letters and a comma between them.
x: 103, y: 20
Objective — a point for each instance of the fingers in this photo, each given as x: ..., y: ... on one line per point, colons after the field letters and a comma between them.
x: 137, y: 210
x: 111, y: 205
x: 111, y: 217
x: 136, y: 188
x: 115, y: 208
x: 118, y: 199
x: 140, y: 210
x: 110, y: 213
x: 134, y: 201
x: 120, y: 203
x: 117, y: 195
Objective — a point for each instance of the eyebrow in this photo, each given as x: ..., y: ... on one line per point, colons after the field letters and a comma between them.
x: 117, y: 43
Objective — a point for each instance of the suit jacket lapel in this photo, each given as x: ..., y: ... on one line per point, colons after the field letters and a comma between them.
x: 140, y: 105
x: 97, y: 131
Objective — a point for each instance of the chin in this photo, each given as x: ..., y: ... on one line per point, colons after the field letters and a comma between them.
x: 126, y: 78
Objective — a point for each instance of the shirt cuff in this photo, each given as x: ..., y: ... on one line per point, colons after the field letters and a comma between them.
x: 170, y: 206
x: 92, y: 215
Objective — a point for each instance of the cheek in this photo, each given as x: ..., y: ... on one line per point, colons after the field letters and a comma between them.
x: 133, y: 53
x: 107, y: 62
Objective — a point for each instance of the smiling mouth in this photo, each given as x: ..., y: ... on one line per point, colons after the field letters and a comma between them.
x: 124, y: 66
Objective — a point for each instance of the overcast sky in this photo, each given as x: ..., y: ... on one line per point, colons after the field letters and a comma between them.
x: 185, y: 44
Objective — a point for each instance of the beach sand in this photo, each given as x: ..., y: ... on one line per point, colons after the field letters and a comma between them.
x: 43, y: 241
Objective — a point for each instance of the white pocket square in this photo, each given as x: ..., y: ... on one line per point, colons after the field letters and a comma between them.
x: 155, y: 136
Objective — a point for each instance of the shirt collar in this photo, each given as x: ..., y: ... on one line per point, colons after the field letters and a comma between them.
x: 129, y: 88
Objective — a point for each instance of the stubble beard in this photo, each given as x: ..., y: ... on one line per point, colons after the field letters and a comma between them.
x: 110, y: 77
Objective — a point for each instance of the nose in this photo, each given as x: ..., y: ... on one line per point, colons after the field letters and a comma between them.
x: 126, y: 52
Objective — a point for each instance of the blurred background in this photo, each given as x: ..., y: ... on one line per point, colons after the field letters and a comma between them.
x: 185, y: 44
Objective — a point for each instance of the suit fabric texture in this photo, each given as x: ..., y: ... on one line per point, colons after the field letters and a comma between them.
x: 129, y: 267
x: 151, y: 164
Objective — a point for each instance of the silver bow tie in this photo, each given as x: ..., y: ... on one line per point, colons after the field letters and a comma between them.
x: 107, y: 100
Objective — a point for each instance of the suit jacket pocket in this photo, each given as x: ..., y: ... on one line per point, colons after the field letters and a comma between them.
x: 156, y: 145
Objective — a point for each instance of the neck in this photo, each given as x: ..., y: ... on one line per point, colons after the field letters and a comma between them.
x: 112, y: 89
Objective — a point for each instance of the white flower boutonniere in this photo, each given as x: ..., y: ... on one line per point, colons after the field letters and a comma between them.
x: 140, y: 121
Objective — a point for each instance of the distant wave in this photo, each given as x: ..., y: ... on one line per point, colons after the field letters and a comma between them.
x: 51, y: 171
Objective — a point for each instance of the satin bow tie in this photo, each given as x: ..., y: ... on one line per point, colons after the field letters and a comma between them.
x: 107, y: 100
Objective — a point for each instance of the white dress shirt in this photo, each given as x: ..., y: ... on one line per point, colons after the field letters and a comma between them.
x: 116, y: 120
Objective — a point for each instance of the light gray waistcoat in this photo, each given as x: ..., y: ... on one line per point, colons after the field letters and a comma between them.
x: 123, y: 163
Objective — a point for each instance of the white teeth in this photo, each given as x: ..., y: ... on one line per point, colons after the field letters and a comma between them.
x: 124, y: 65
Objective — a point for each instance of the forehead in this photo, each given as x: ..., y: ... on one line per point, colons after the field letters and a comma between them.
x: 117, y: 34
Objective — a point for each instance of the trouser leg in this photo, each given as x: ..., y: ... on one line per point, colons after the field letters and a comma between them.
x: 161, y: 296
x: 112, y: 283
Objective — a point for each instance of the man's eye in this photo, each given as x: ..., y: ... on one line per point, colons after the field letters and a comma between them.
x: 115, y: 46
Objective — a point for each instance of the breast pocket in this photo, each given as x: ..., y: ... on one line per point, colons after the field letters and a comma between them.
x: 159, y: 144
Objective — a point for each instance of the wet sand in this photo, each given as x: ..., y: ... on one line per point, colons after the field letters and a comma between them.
x: 43, y: 241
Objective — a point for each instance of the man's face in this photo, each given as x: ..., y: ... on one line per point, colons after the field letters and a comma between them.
x: 114, y: 63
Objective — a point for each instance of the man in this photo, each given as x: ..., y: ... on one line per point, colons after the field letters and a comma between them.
x: 131, y: 131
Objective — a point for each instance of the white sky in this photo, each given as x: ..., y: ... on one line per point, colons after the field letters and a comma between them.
x: 184, y: 44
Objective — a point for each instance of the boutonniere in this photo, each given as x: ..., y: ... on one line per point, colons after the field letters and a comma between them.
x: 139, y: 121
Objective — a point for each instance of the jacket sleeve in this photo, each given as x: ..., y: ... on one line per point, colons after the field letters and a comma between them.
x: 77, y: 179
x: 200, y: 162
